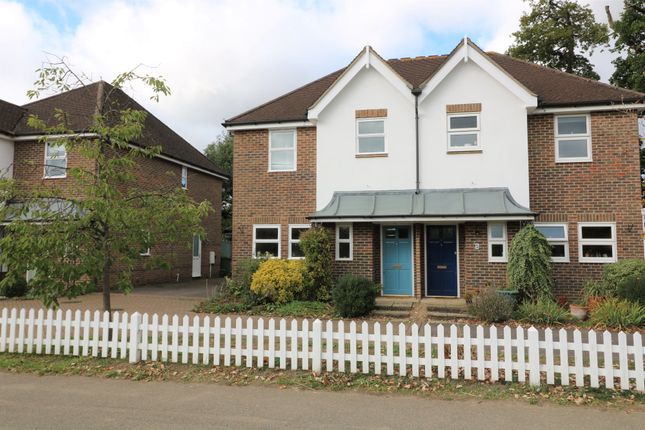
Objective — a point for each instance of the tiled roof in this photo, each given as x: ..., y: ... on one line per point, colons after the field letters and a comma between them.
x: 81, y: 103
x: 10, y: 114
x: 552, y: 87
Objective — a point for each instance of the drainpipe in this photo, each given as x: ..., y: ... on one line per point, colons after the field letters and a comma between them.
x: 416, y: 92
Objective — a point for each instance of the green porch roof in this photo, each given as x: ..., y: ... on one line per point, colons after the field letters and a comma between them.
x: 444, y: 203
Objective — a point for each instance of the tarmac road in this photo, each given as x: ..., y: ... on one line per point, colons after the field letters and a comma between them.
x: 70, y: 402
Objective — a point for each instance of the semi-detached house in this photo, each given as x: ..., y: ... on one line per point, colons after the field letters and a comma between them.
x: 424, y: 169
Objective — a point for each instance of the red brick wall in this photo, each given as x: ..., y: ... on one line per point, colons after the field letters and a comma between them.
x: 366, y: 260
x: 263, y: 197
x: 153, y: 174
x: 607, y: 189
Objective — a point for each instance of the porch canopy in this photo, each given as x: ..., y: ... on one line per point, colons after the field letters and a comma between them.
x: 463, y: 204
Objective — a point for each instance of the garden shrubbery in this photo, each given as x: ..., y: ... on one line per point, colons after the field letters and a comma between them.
x: 632, y: 289
x: 619, y: 314
x: 529, y: 264
x: 279, y: 281
x: 16, y: 287
x: 317, y: 246
x: 492, y: 307
x: 354, y: 296
x: 542, y: 311
x: 616, y: 273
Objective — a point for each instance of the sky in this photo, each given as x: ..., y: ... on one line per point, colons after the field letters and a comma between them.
x: 223, y: 57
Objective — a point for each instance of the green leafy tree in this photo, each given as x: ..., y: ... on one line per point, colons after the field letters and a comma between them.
x: 529, y: 264
x: 71, y: 242
x: 559, y: 34
x: 317, y: 244
x: 220, y: 152
x: 629, y: 34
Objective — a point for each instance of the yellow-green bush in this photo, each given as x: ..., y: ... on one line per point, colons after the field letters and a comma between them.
x: 279, y: 281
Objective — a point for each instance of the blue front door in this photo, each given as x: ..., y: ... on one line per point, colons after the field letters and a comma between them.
x: 397, y: 260
x: 441, y: 260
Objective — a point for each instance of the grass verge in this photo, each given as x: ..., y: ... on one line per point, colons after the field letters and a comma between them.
x: 373, y: 384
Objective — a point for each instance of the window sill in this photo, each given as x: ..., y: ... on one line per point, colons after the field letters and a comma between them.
x: 375, y: 155
x: 282, y: 171
x: 573, y: 160
x: 464, y: 151
x: 54, y: 177
x: 600, y: 260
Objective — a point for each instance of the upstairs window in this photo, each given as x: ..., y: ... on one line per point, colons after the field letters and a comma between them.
x: 184, y: 177
x: 463, y: 132
x: 370, y: 136
x: 572, y: 138
x: 344, y: 245
x: 282, y: 151
x: 557, y: 236
x: 497, y: 242
x: 266, y: 240
x: 597, y: 242
x: 295, y: 252
x: 55, y: 161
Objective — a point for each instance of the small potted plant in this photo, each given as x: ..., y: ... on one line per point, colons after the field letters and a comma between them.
x: 578, y: 310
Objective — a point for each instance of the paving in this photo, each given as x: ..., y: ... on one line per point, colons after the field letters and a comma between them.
x: 76, y: 402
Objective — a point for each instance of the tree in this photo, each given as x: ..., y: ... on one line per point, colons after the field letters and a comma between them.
x: 529, y: 267
x: 71, y: 243
x: 629, y: 34
x: 559, y: 34
x: 220, y: 152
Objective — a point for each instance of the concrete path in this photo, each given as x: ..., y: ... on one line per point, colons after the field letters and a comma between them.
x: 70, y: 402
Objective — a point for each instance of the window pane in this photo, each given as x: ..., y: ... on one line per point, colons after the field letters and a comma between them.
x: 404, y: 233
x: 267, y: 233
x: 343, y: 250
x: 457, y: 122
x: 55, y: 168
x: 295, y: 232
x: 371, y: 127
x: 343, y: 232
x: 282, y: 139
x: 281, y: 160
x: 55, y: 151
x: 196, y: 244
x: 602, y: 251
x: 263, y: 248
x: 558, y: 250
x: 296, y: 251
x: 596, y: 232
x: 368, y: 145
x: 463, y: 140
x: 551, y: 231
x: 572, y: 125
x: 575, y: 148
x: 497, y: 250
x: 496, y: 230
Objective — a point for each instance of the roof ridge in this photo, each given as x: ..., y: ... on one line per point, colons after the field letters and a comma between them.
x: 284, y: 95
x: 63, y: 92
x: 560, y: 72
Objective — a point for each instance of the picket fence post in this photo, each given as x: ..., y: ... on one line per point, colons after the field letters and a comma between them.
x: 135, y: 338
x: 316, y: 350
x: 534, y: 357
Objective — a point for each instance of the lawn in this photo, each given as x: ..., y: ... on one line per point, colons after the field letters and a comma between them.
x: 295, y: 309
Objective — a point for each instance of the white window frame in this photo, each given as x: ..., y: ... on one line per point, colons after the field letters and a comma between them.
x: 184, y: 177
x: 256, y: 241
x: 560, y: 241
x: 359, y: 135
x: 559, y: 137
x: 497, y: 241
x: 613, y: 242
x: 64, y: 175
x: 350, y: 241
x: 458, y: 131
x: 294, y: 149
x: 292, y: 240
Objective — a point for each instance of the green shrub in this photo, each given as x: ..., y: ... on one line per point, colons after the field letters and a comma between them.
x: 529, y: 264
x: 632, y: 289
x: 279, y: 281
x: 542, y: 311
x: 492, y: 307
x: 16, y: 287
x: 594, y: 289
x: 618, y: 314
x: 354, y: 296
x: 317, y: 245
x: 615, y: 273
x: 240, y: 284
x: 302, y: 309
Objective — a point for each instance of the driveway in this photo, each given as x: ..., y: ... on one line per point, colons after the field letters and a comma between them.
x: 72, y: 402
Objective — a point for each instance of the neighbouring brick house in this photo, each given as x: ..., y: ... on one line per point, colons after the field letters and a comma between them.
x: 425, y: 168
x: 30, y: 162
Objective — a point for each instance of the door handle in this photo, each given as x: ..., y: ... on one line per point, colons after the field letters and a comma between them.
x: 441, y: 267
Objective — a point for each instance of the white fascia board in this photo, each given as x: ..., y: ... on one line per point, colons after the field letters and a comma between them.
x: 582, y: 109
x: 426, y: 219
x: 468, y: 53
x: 270, y: 126
x: 368, y: 58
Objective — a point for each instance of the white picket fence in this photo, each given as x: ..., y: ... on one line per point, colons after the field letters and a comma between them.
x: 487, y: 353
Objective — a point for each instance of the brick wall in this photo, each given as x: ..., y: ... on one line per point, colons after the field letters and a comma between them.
x: 263, y: 197
x: 153, y: 174
x: 607, y: 189
x: 366, y: 260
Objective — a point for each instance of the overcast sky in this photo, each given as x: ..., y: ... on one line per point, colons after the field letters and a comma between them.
x: 223, y: 57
